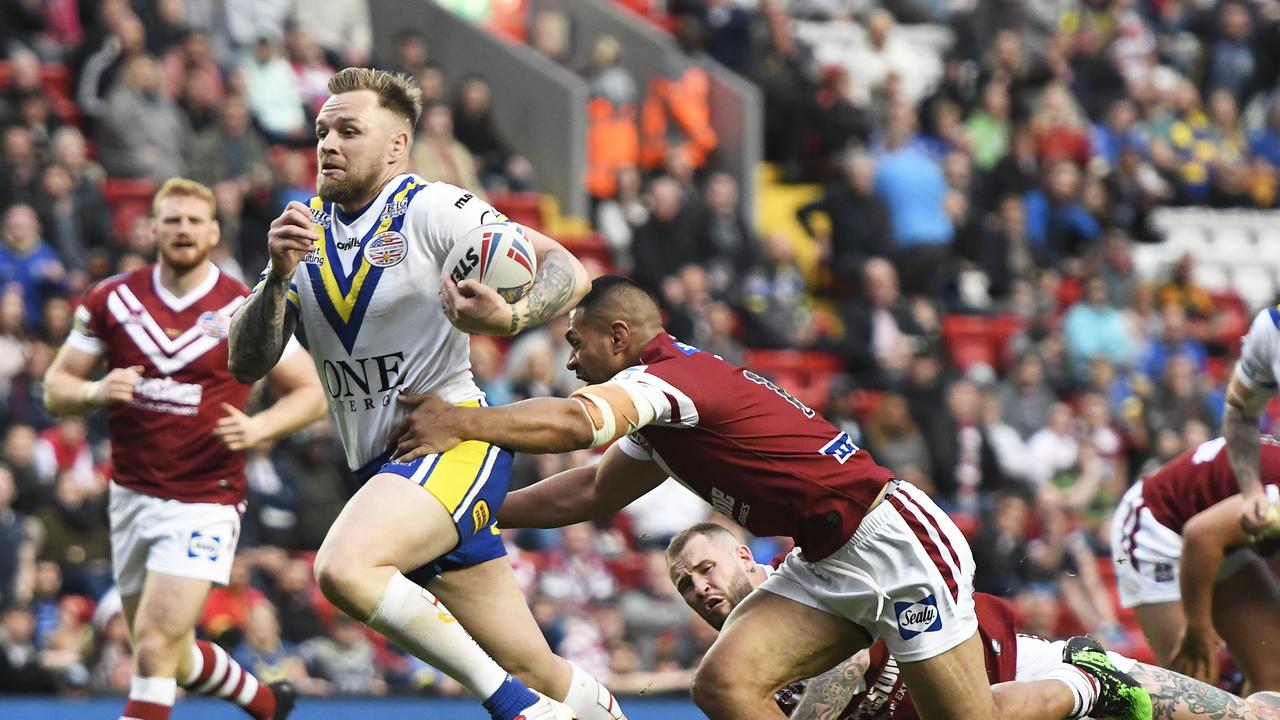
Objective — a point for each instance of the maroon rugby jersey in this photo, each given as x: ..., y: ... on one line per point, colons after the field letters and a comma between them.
x: 162, y: 443
x: 1200, y: 478
x: 750, y: 449
x: 885, y: 696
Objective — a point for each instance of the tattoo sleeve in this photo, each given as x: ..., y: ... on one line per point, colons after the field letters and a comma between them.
x: 1241, y: 434
x: 826, y: 696
x: 553, y: 289
x: 259, y: 331
x: 1178, y: 697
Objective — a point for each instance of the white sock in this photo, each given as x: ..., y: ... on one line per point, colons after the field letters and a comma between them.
x: 1083, y: 688
x: 589, y: 698
x: 413, y: 618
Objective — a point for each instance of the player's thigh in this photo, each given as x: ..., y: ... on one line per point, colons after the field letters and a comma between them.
x: 488, y: 602
x: 1178, y: 697
x: 1162, y: 623
x: 169, y: 605
x: 770, y: 641
x: 390, y: 521
x: 1246, y: 612
x: 952, y: 685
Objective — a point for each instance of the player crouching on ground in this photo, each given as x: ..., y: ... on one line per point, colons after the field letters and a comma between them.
x: 714, y: 572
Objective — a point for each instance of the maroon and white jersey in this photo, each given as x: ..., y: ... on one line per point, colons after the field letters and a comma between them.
x: 1200, y: 478
x: 883, y: 695
x: 749, y: 448
x: 162, y: 443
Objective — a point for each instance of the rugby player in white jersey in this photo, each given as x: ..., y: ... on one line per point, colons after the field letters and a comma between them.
x: 359, y: 272
x: 1253, y: 384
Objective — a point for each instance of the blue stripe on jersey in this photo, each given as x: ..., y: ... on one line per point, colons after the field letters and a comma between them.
x: 1274, y: 311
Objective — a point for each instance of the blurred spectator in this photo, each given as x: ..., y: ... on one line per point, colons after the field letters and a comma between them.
x: 575, y: 573
x: 71, y: 152
x: 1230, y: 62
x: 1178, y: 396
x: 786, y: 73
x: 617, y: 218
x: 21, y: 666
x: 1182, y: 289
x: 76, y: 219
x: 912, y: 187
x: 990, y: 128
x: 409, y: 53
x: 859, y: 225
x: 344, y: 658
x: 143, y: 134
x: 726, y: 246
x: 1059, y: 128
x: 898, y: 444
x: 653, y: 608
x: 19, y: 167
x: 726, y: 33
x: 1057, y: 222
x: 111, y: 663
x: 13, y: 537
x: 1025, y: 398
x: 1094, y: 328
x: 665, y: 242
x: 487, y: 370
x: 437, y: 154
x: 880, y: 331
x: 1173, y: 340
x: 294, y: 596
x: 473, y: 126
x: 75, y: 525
x: 30, y: 480
x: 968, y: 467
x: 27, y: 262
x: 1054, y: 446
x: 269, y: 658
x: 886, y: 55
x: 1000, y: 548
x: 125, y: 39
x: 230, y: 150
x: 272, y: 90
x: 720, y: 338
x: 344, y: 30
x: 226, y: 611
x: 776, y: 312
x: 309, y: 65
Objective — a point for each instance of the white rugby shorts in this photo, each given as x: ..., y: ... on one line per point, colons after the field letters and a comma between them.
x: 1037, y: 656
x: 148, y: 533
x: 1147, y: 555
x: 906, y: 576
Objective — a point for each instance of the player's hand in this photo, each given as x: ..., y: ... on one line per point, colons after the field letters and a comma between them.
x: 428, y: 429
x: 1255, y: 513
x: 116, y: 387
x: 237, y: 430
x: 476, y: 308
x: 1197, y: 654
x: 290, y: 238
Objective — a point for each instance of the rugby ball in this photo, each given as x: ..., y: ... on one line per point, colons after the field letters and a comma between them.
x: 497, y: 255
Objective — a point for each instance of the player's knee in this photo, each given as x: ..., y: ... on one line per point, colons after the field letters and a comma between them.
x: 335, y: 575
x: 154, y: 650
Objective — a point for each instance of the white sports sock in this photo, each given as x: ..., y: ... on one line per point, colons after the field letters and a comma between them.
x: 589, y: 698
x: 155, y: 690
x: 415, y: 619
x: 1083, y: 688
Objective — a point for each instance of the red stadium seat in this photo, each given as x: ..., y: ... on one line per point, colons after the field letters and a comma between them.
x: 129, y: 200
x: 967, y: 341
x: 525, y: 207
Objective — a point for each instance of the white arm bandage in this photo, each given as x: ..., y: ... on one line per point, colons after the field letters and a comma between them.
x: 607, y: 430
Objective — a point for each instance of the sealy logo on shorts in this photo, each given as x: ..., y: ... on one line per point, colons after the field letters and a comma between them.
x: 918, y: 617
x: 204, y: 546
x: 479, y: 516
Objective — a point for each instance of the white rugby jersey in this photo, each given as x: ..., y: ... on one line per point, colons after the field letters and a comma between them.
x: 367, y: 302
x: 1260, y: 356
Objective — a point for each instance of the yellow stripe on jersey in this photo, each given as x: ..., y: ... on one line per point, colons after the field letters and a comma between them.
x: 344, y: 304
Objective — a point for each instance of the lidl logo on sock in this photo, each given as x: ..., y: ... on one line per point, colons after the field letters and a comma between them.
x: 915, y: 618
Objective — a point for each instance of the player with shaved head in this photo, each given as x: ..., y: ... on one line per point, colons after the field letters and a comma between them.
x: 874, y: 557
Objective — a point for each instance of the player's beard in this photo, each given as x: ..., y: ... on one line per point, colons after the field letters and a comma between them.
x: 738, y: 590
x: 346, y: 189
x: 182, y: 261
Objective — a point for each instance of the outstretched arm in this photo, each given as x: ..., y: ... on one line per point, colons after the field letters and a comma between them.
x: 581, y: 494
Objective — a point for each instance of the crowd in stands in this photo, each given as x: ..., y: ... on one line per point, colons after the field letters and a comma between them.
x: 974, y: 319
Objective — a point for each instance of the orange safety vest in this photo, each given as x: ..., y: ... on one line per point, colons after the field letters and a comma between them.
x: 613, y: 143
x: 685, y: 100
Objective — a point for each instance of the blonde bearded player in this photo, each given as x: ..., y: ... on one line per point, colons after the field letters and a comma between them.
x: 359, y: 271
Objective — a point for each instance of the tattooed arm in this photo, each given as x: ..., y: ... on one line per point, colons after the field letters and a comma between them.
x: 826, y: 696
x: 1178, y: 697
x: 261, y: 328
x: 1252, y: 385
x: 561, y: 281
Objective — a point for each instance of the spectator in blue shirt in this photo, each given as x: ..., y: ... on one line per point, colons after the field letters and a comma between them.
x: 1174, y: 340
x: 1095, y: 329
x: 26, y: 261
x: 1057, y: 224
x: 913, y: 188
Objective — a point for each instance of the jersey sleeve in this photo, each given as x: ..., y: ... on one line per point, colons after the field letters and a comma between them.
x: 1261, y: 350
x: 446, y: 212
x: 671, y: 406
x: 86, y: 332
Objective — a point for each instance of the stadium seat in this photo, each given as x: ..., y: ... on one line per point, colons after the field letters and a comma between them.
x: 524, y: 208
x: 1211, y: 276
x: 967, y: 341
x: 129, y: 199
x: 1255, y: 283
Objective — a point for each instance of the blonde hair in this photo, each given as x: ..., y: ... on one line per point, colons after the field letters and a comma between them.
x: 182, y: 187
x: 397, y: 92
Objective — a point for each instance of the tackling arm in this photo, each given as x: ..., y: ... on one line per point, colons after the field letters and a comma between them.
x: 581, y: 494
